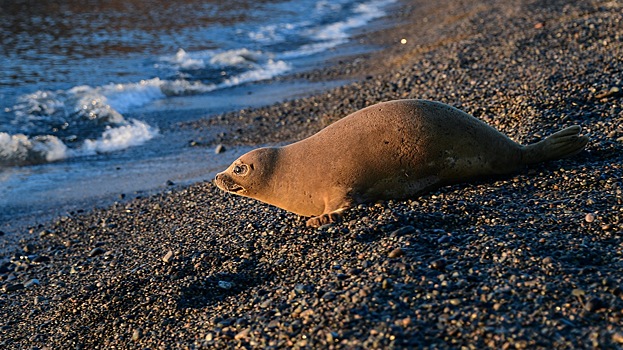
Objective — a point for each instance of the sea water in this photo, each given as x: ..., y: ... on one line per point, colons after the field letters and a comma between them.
x: 89, y: 90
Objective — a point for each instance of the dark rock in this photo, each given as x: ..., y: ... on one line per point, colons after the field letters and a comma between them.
x: 96, y: 251
x: 13, y: 287
x: 396, y: 253
x: 219, y: 149
x: 594, y: 304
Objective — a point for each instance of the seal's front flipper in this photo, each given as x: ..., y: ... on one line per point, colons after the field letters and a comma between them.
x: 564, y: 143
x: 334, y: 216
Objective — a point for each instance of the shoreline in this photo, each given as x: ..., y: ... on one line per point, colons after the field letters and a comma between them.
x: 54, y: 190
x: 534, y: 260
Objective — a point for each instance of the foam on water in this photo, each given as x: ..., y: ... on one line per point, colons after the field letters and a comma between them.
x: 275, y: 33
x: 365, y: 12
x: 84, y: 120
x: 253, y: 65
x: 238, y: 57
x: 269, y: 70
x: 184, y: 61
x: 54, y: 125
x: 325, y: 36
x: 21, y: 150
x: 117, y: 138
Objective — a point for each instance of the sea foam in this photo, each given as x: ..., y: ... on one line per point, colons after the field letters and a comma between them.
x: 54, y: 125
x: 21, y: 150
x: 121, y: 137
x: 328, y: 36
x: 250, y: 65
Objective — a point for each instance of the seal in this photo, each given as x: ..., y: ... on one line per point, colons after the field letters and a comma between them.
x: 392, y: 150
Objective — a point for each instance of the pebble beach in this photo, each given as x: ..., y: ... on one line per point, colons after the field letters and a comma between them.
x: 528, y: 261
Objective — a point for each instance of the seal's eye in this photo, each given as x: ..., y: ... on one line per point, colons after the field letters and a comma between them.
x: 240, y: 169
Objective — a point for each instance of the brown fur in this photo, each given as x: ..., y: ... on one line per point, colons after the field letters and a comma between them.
x: 392, y: 150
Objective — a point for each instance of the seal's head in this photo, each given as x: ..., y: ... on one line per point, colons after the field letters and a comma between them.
x: 250, y: 174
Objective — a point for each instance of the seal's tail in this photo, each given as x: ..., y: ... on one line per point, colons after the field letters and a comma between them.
x: 561, y: 144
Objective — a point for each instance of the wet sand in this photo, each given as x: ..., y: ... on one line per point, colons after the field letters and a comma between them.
x: 533, y: 260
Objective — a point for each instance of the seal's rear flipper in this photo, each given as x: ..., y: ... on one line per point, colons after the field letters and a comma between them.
x: 561, y: 144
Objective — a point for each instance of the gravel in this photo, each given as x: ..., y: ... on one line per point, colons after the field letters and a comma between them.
x: 533, y: 260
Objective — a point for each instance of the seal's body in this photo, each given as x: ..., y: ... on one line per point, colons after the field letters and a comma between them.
x: 392, y: 150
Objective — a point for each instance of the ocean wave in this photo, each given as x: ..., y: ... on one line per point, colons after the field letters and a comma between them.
x: 84, y: 112
x: 330, y: 35
x: 53, y: 125
x: 226, y: 68
x: 275, y: 33
x: 363, y: 13
x: 268, y: 70
x: 239, y: 58
x: 184, y: 60
x: 113, y: 139
x: 21, y: 150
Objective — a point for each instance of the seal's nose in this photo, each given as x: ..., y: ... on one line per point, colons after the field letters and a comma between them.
x: 216, y: 177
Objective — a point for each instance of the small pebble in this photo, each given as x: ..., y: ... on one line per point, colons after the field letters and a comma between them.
x: 242, y: 334
x: 547, y: 260
x: 444, y: 239
x: 617, y: 291
x: 405, y: 230
x: 13, y: 287
x: 307, y: 313
x: 594, y: 304
x: 328, y: 296
x: 577, y: 292
x: 136, y: 335
x: 225, y: 285
x: 167, y: 258
x: 455, y: 301
x: 302, y: 288
x: 396, y: 253
x: 219, y: 149
x: 354, y: 271
x: 97, y: 251
x: 31, y: 282
x: 325, y: 227
x: 405, y: 322
x: 41, y: 259
x: 439, y: 264
x: 590, y: 217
